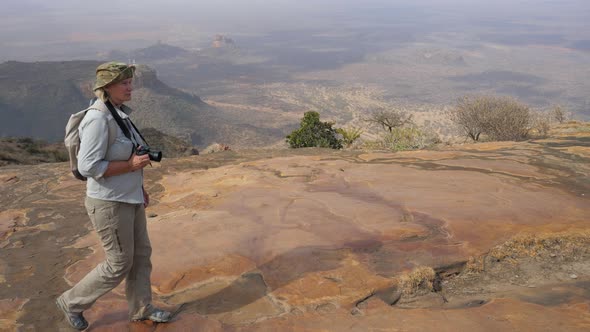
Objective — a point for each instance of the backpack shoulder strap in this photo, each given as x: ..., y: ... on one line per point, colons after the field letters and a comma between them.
x: 108, y: 107
x: 80, y: 115
x: 112, y: 133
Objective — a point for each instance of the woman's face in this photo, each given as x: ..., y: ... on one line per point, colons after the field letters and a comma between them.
x: 120, y: 92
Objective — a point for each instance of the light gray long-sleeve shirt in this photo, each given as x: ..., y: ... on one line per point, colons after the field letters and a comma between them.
x: 95, y: 155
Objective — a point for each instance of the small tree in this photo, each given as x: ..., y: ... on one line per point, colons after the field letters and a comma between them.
x: 314, y: 133
x: 390, y: 118
x: 408, y: 138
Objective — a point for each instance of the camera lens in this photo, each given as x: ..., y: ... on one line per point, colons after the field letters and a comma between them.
x: 155, y: 155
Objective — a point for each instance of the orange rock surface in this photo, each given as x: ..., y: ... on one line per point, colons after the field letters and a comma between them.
x: 294, y: 242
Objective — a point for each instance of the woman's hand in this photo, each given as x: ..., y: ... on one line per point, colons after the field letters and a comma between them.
x: 134, y: 163
x: 138, y: 162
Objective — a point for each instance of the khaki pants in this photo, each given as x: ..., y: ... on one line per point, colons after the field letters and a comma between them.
x: 123, y: 232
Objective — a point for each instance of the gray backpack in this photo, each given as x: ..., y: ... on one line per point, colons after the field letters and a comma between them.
x: 72, y: 138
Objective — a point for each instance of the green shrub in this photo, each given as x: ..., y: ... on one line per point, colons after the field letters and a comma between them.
x: 25, y: 140
x: 59, y: 155
x: 349, y: 135
x: 314, y: 133
x: 404, y: 138
x: 32, y: 148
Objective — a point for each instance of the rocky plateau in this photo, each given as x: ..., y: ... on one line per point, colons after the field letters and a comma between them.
x: 476, y: 237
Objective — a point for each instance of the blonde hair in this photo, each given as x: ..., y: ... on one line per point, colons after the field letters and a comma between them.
x: 101, y: 94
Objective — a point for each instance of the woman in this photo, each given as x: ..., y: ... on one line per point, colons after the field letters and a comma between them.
x: 115, y: 202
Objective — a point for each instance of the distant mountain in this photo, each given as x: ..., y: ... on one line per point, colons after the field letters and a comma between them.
x: 36, y: 100
x: 221, y: 51
x: 220, y: 40
x: 158, y: 51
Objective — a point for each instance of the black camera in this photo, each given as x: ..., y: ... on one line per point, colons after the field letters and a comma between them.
x: 155, y: 155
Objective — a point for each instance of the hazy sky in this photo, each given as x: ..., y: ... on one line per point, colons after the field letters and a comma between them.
x: 33, y: 26
x: 517, y: 39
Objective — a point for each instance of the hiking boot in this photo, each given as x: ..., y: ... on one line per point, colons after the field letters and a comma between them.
x: 157, y: 316
x: 76, y: 320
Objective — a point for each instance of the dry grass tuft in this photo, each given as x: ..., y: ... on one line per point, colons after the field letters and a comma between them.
x: 570, y: 128
x: 420, y: 278
x: 216, y: 147
x: 475, y: 265
x: 566, y: 244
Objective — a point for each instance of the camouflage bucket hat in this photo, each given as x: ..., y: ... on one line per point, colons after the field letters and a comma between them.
x: 112, y: 72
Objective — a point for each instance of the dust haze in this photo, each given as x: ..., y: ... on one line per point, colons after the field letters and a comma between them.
x: 427, y: 52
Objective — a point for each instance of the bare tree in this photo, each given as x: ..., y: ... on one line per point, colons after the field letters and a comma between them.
x: 499, y: 118
x: 559, y: 114
x: 541, y: 123
x: 510, y: 120
x: 469, y: 114
x: 390, y: 118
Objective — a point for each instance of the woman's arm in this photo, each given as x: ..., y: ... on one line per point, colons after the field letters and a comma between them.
x: 94, y: 143
x: 93, y: 149
x: 125, y: 166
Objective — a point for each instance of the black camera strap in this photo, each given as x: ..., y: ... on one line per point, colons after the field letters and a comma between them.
x: 138, y: 132
x: 118, y: 119
x: 122, y: 124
